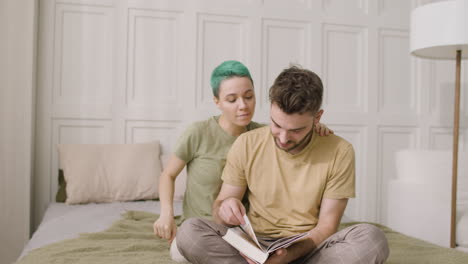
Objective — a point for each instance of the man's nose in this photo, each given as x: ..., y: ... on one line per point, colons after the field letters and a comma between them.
x: 284, y: 137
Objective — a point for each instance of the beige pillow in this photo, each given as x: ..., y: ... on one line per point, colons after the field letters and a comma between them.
x: 181, y: 180
x: 110, y: 172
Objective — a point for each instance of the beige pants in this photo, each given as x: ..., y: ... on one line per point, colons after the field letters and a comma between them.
x: 200, y: 241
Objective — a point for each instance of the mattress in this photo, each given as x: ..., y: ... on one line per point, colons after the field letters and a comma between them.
x: 85, y: 218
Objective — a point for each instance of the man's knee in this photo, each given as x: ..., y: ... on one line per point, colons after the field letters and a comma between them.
x: 376, y: 239
x: 187, y: 232
x: 371, y: 232
x: 191, y: 224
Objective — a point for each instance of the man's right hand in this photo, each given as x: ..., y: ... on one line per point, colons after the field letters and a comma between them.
x: 232, y: 212
x: 165, y: 227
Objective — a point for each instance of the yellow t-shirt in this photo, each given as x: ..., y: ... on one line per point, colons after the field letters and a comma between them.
x: 285, y: 191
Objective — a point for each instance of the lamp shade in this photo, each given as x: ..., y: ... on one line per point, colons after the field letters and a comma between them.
x: 439, y: 29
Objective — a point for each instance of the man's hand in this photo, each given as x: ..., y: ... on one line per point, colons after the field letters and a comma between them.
x: 165, y: 227
x: 278, y: 257
x: 232, y: 212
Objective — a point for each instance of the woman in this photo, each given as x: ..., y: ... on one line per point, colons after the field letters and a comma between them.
x: 204, y: 145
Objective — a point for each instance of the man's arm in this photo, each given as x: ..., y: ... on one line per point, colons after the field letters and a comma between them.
x: 331, y: 211
x: 227, y: 208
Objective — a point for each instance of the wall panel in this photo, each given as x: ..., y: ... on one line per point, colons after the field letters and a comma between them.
x: 357, y: 136
x: 136, y: 70
x: 391, y: 140
x: 153, y: 70
x: 345, y: 68
x: 220, y: 38
x: 284, y: 43
x: 395, y: 95
x: 83, y: 70
x: 345, y: 7
x: 441, y: 138
x: 139, y: 131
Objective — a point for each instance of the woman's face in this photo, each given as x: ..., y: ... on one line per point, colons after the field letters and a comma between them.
x: 236, y: 100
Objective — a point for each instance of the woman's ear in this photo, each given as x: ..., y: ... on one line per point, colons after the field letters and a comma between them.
x: 216, y: 101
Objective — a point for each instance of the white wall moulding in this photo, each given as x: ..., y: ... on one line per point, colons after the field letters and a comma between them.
x: 136, y: 70
x: 346, y: 7
x: 389, y: 9
x: 292, y: 4
x: 391, y: 140
x: 219, y: 38
x: 83, y: 70
x: 153, y: 71
x: 442, y: 92
x: 284, y: 43
x: 441, y: 138
x: 395, y: 94
x: 357, y: 135
x: 103, y: 3
x: 345, y: 68
x: 139, y: 131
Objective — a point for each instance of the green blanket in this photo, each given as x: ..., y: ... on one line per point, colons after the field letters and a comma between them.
x: 131, y: 240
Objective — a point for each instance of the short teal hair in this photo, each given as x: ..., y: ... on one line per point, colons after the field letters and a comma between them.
x: 226, y: 70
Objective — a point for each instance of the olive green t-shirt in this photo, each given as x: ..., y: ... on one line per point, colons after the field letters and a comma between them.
x: 285, y: 190
x: 204, y: 146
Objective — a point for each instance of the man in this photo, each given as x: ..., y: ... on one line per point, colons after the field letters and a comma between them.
x: 296, y: 182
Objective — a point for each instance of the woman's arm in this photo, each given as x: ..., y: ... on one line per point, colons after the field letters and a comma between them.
x: 165, y: 226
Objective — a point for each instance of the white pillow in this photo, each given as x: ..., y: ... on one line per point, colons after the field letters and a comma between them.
x: 181, y: 180
x: 110, y: 172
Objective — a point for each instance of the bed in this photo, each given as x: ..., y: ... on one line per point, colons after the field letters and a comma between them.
x: 62, y: 221
x: 121, y: 232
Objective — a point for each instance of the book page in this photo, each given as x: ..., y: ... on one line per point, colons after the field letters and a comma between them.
x: 286, y: 241
x: 247, y: 227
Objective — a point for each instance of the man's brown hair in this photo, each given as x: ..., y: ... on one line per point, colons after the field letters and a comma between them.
x: 297, y: 90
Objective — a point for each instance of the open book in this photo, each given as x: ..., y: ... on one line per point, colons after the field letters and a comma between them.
x: 244, y: 239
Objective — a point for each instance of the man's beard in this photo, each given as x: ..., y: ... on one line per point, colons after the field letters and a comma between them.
x: 303, y: 142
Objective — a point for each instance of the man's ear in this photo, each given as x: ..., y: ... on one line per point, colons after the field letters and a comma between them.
x: 317, y: 116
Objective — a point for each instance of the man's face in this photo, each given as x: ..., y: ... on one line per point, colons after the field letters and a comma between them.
x: 292, y: 132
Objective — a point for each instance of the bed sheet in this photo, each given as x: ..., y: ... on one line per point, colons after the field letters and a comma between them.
x: 85, y: 218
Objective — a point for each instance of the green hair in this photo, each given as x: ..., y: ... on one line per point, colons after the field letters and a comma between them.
x: 227, y: 70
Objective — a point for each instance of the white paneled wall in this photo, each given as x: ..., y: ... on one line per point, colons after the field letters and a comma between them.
x: 136, y: 70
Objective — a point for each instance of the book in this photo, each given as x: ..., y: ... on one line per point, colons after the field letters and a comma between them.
x: 243, y: 238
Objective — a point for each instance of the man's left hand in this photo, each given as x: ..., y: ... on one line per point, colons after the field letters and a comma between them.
x: 278, y: 257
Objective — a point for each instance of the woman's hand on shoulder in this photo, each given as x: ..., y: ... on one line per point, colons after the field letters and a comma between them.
x: 165, y: 227
x: 323, y: 130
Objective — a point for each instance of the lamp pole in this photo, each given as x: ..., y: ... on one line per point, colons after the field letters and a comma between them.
x: 456, y: 128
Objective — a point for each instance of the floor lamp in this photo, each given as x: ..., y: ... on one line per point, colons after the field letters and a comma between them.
x: 440, y: 31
